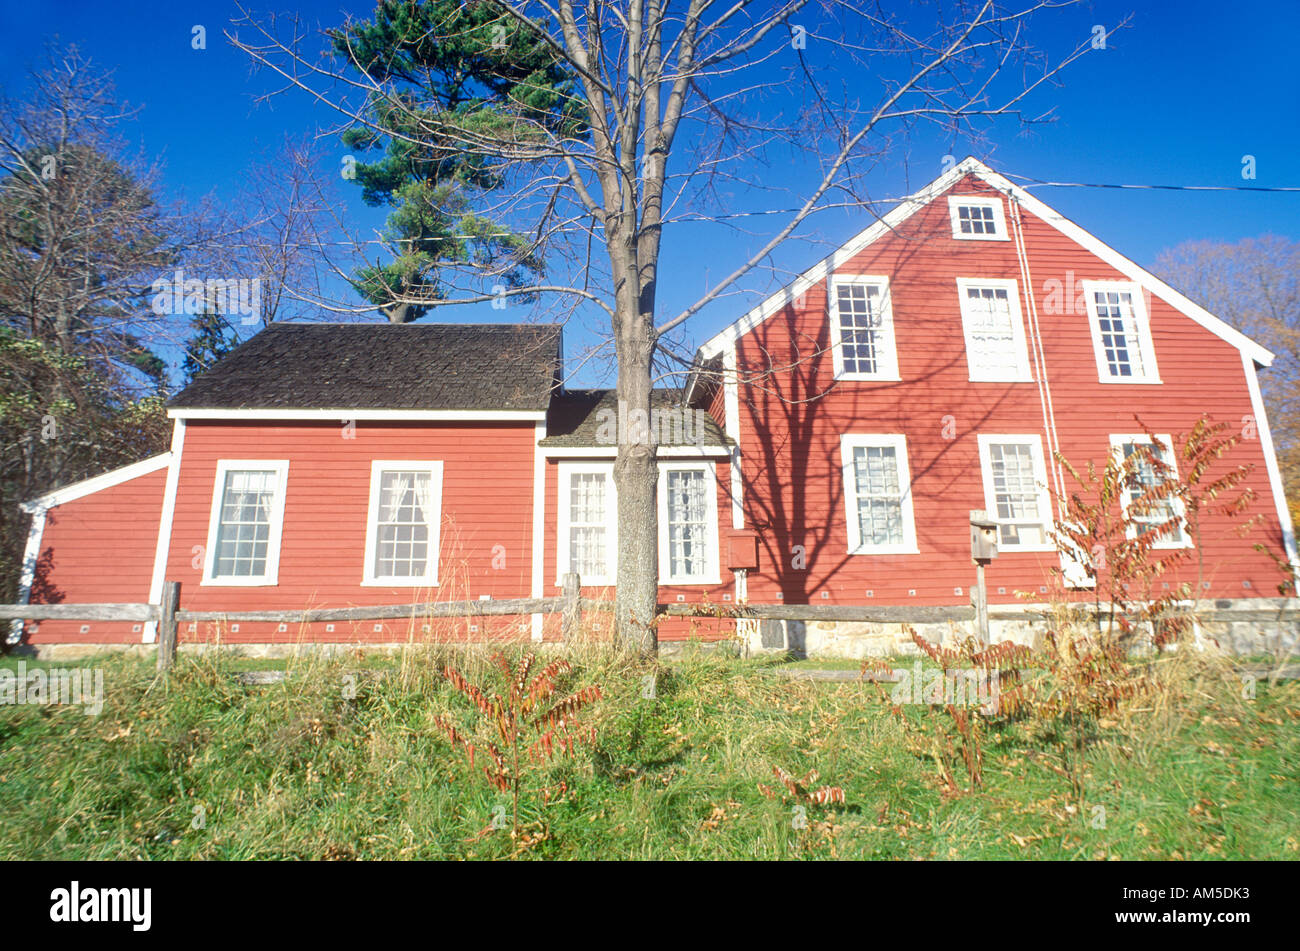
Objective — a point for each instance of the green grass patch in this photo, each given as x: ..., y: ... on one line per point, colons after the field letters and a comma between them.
x: 201, y: 766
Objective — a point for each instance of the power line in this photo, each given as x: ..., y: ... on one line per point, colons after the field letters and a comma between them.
x: 1181, y: 188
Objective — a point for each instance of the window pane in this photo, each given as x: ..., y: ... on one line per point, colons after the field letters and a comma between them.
x: 1015, y: 494
x: 245, y: 524
x: 990, y: 332
x: 588, y: 555
x: 1144, y: 479
x: 975, y: 219
x: 402, y: 531
x: 1118, y: 326
x: 688, y: 507
x: 879, y: 495
x: 861, y: 327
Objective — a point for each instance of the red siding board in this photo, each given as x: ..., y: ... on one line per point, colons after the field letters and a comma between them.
x: 791, y: 450
x: 98, y: 549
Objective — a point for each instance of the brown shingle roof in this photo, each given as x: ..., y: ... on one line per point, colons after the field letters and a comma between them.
x: 576, y: 417
x: 384, y: 366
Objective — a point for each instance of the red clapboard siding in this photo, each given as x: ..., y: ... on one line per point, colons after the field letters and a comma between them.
x: 486, y: 536
x: 98, y: 549
x: 791, y: 451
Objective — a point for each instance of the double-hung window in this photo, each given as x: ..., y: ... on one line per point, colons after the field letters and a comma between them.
x: 246, y: 522
x: 1121, y: 335
x: 587, y: 538
x: 995, y: 333
x: 877, y: 494
x: 862, y: 328
x: 402, y: 527
x: 1015, y: 491
x: 688, y: 520
x: 1160, y: 510
x: 976, y: 218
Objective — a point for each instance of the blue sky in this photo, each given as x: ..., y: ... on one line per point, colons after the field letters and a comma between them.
x: 1177, y: 98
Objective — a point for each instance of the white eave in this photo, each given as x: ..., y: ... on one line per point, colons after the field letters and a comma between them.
x: 78, y: 490
x: 913, y: 203
x: 343, y: 413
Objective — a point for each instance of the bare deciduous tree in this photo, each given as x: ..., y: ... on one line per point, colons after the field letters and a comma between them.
x: 683, y: 99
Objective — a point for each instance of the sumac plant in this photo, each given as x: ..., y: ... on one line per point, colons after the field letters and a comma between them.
x: 529, y: 722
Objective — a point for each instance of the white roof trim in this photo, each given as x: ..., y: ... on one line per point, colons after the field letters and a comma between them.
x: 910, y: 205
x: 610, y: 452
x: 396, y: 415
x: 70, y: 493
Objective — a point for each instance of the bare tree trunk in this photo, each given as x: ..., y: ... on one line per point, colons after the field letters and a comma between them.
x: 636, y: 478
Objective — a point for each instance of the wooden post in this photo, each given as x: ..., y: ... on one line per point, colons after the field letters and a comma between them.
x: 171, y: 600
x: 571, y: 591
x: 980, y: 599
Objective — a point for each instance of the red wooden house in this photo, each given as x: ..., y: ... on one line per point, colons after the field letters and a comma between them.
x: 933, y: 365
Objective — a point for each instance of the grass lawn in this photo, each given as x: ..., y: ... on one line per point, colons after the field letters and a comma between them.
x: 201, y: 766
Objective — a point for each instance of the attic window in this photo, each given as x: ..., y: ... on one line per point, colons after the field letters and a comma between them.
x: 977, y: 219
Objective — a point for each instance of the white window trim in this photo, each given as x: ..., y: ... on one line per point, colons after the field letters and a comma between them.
x: 566, y: 471
x: 1035, y: 443
x: 1117, y: 442
x: 850, y: 442
x: 430, y: 577
x: 887, y: 356
x: 1152, y: 374
x: 271, y: 576
x: 999, y: 217
x: 711, y: 574
x: 1023, y: 374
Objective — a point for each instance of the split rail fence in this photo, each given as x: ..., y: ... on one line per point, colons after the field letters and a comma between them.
x: 570, y: 604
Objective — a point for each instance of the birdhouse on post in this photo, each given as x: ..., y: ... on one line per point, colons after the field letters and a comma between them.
x: 983, y: 537
x: 983, y: 549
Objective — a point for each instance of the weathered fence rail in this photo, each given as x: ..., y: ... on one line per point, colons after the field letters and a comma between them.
x: 570, y: 605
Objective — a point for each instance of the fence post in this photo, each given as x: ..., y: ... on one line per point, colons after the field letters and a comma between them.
x: 171, y: 599
x: 570, y: 593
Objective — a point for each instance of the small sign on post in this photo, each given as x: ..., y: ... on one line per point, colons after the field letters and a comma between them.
x: 983, y: 549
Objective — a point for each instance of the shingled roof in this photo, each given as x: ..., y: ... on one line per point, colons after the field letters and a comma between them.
x: 384, y: 366
x: 576, y: 417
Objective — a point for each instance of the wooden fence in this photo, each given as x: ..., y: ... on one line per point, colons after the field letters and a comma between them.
x: 570, y: 605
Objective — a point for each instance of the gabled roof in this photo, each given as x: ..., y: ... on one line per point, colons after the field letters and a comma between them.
x: 915, y: 202
x: 383, y: 366
x: 577, y: 415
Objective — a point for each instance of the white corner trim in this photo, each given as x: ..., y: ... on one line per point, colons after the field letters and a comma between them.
x: 731, y: 410
x: 913, y: 203
x: 271, y: 574
x: 349, y: 415
x: 537, y: 588
x: 79, y: 490
x: 1270, y: 465
x: 162, y: 550
x: 31, y: 555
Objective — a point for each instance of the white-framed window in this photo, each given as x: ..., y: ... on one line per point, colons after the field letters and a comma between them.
x: 1015, y: 491
x: 246, y: 522
x: 1144, y: 477
x: 688, y: 523
x: 403, y: 523
x: 587, y: 522
x: 996, y: 350
x: 877, y: 494
x: 977, y: 218
x: 862, y: 328
x: 1121, y: 334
